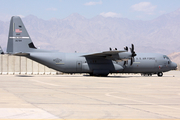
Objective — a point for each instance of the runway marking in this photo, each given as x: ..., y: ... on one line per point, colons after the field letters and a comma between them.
x: 45, y: 83
x: 25, y: 113
x: 109, y: 94
x: 54, y: 84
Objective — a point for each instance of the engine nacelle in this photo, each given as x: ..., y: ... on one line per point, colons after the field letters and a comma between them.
x: 124, y: 56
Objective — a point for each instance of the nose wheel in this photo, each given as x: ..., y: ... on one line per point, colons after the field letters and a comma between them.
x: 160, y: 74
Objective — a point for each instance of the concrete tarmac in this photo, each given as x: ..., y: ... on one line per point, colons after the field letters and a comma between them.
x: 85, y: 97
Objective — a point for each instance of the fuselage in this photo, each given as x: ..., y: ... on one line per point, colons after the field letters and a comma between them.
x: 76, y: 63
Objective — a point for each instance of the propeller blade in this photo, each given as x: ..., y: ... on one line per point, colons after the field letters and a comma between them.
x: 124, y: 62
x: 132, y: 47
x: 133, y: 53
x: 126, y: 48
x: 131, y: 61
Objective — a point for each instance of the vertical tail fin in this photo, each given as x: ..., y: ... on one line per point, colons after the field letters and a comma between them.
x: 19, y: 39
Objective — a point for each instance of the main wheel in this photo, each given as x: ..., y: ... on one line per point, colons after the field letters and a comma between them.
x: 104, y: 75
x: 149, y: 74
x: 160, y: 74
x: 91, y: 74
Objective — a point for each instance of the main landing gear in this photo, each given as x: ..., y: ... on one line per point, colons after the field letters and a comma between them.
x: 160, y: 74
x: 98, y: 75
x: 146, y: 74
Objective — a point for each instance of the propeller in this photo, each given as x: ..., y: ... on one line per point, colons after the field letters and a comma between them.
x: 125, y: 62
x: 133, y: 53
x: 126, y: 48
x: 132, y: 60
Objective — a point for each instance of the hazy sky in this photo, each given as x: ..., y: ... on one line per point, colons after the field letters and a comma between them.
x: 47, y: 9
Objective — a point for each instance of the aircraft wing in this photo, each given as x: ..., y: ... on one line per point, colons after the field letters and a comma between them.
x: 103, y: 54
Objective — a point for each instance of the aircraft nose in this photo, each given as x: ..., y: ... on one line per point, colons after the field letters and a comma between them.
x: 174, y: 66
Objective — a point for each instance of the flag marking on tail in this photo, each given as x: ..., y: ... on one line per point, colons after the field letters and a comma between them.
x: 18, y: 31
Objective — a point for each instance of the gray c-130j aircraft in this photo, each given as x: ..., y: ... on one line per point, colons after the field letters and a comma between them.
x: 97, y: 64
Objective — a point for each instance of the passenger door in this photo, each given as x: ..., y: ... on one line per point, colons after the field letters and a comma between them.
x: 78, y: 66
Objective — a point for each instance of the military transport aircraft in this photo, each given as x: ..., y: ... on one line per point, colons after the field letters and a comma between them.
x: 97, y: 64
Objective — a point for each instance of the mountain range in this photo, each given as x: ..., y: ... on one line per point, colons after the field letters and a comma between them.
x: 76, y: 33
x: 175, y: 57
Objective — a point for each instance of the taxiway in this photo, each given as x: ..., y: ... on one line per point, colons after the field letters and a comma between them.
x: 85, y: 97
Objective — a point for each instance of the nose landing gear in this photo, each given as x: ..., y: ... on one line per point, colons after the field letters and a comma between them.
x: 159, y: 74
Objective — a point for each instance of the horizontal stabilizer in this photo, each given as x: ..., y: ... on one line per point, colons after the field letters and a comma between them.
x: 21, y: 54
x: 1, y: 51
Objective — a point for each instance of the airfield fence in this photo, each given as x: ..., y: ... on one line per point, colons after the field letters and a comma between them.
x: 18, y: 65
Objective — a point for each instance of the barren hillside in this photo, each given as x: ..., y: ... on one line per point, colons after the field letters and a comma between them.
x: 76, y: 33
x: 175, y: 57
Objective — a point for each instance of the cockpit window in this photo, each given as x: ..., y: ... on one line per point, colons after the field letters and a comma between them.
x: 166, y: 57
